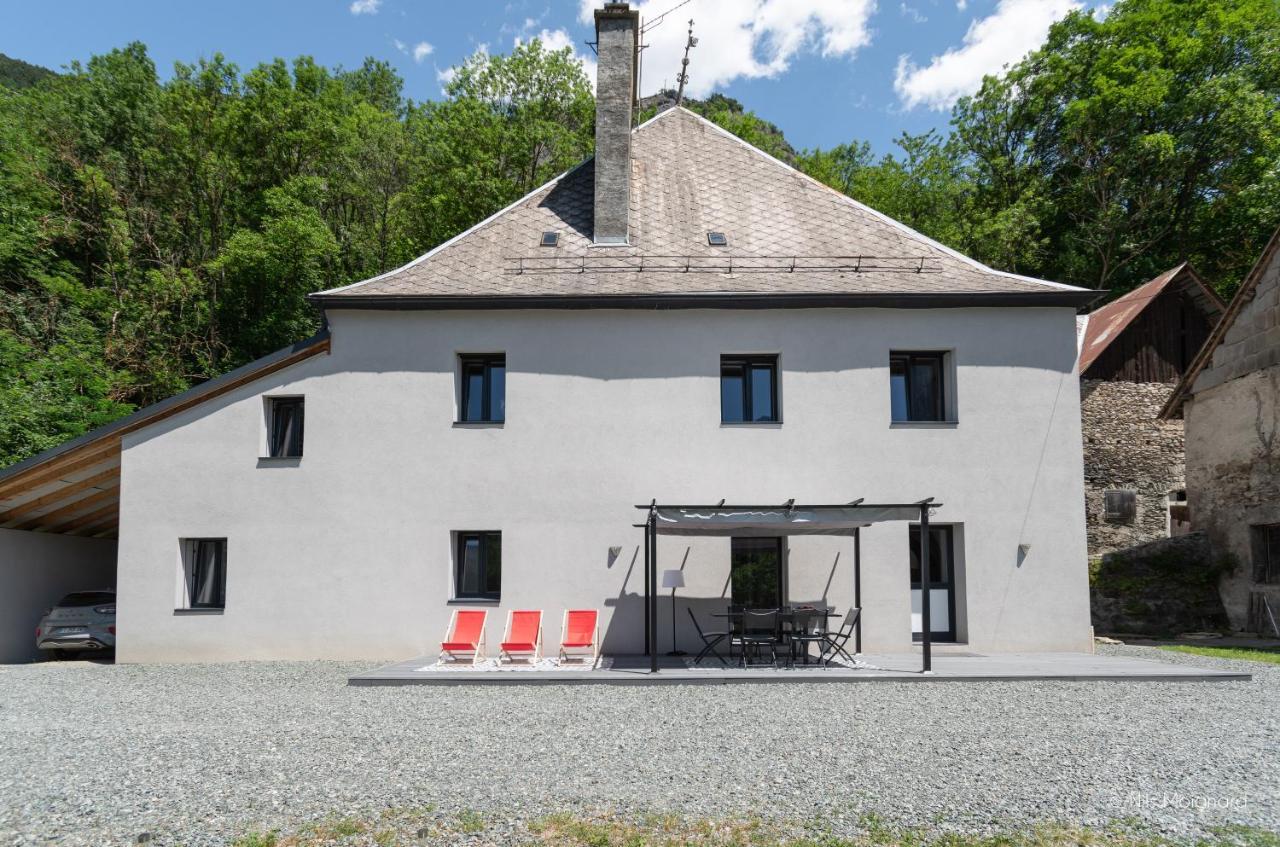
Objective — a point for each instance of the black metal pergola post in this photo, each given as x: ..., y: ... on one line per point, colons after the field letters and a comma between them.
x: 857, y: 590
x: 651, y: 595
x: 926, y: 623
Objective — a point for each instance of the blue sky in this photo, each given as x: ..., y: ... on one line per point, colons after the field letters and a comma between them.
x: 825, y: 71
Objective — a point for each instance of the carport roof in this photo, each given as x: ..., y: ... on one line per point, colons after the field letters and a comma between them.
x: 74, y: 488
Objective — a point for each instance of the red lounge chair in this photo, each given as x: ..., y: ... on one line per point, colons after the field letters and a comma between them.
x: 580, y: 631
x: 523, y: 636
x: 465, y: 635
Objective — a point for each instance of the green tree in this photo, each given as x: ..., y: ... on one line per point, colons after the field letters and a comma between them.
x: 1142, y: 139
x: 509, y: 124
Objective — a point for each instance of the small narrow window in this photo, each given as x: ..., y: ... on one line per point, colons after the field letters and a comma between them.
x: 1266, y: 552
x: 748, y: 389
x: 479, y: 566
x: 204, y: 564
x: 284, y: 427
x: 484, y: 389
x: 549, y: 239
x: 717, y: 239
x: 1120, y: 505
x: 916, y: 388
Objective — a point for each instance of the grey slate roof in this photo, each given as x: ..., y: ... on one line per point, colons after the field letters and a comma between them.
x: 690, y: 177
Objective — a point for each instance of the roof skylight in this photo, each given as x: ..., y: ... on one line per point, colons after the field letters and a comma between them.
x: 717, y: 239
x: 550, y: 239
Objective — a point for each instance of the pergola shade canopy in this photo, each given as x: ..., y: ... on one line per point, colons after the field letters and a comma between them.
x: 751, y: 522
x: 840, y: 519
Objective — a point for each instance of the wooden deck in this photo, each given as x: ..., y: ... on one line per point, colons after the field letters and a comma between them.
x: 952, y: 667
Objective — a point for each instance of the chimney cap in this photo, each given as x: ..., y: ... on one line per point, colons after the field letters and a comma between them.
x: 617, y: 10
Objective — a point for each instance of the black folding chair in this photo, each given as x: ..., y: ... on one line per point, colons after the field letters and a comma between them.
x: 761, y: 629
x: 709, y: 641
x: 810, y: 627
x: 835, y: 641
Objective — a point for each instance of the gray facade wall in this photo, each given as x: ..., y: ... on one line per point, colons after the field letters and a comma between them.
x: 347, y: 553
x: 1126, y: 446
x: 1233, y: 442
x: 36, y: 568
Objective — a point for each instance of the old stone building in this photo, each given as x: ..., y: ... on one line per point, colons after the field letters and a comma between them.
x: 1132, y: 353
x: 1229, y: 399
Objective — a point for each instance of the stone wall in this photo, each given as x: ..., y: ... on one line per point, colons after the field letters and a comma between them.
x: 1233, y: 443
x: 1233, y: 478
x: 1163, y: 588
x: 1127, y: 447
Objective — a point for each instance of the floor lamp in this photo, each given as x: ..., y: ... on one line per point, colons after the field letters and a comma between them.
x: 673, y: 579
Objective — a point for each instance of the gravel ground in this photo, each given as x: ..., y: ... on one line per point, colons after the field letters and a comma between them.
x: 198, y: 754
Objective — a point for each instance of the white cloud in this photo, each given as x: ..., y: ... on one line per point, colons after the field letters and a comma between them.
x: 913, y: 13
x: 365, y: 7
x: 558, y: 39
x: 422, y: 50
x: 1015, y: 28
x: 744, y: 38
x: 961, y: 5
x: 444, y: 77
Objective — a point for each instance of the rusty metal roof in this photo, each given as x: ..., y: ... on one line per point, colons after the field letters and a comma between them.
x: 1104, y: 325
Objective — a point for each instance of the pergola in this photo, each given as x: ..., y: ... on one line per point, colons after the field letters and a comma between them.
x: 845, y: 519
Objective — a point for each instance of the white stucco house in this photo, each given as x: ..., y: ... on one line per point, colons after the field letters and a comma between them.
x: 681, y: 318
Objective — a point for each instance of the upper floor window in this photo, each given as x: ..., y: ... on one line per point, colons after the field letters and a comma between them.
x: 284, y: 427
x: 748, y: 389
x: 484, y: 388
x: 916, y: 386
x: 479, y: 566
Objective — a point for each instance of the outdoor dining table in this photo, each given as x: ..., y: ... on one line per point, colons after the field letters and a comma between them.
x: 786, y: 616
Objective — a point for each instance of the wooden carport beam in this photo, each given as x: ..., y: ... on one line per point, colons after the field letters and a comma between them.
x: 59, y: 470
x: 92, y: 519
x: 63, y: 493
x: 65, y: 513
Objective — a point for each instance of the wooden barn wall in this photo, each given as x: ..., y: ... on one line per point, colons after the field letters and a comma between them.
x: 1158, y: 346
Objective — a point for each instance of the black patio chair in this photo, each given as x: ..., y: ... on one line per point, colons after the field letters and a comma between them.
x: 809, y: 627
x: 709, y: 641
x: 761, y: 630
x: 734, y: 621
x: 835, y: 641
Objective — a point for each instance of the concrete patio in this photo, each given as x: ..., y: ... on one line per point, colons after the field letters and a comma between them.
x: 904, y: 667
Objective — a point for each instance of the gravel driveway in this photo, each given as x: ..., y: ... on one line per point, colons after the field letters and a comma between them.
x: 197, y: 754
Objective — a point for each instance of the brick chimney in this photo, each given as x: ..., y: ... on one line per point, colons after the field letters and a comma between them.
x: 617, y: 31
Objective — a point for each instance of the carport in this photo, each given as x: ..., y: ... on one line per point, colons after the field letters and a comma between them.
x: 60, y: 509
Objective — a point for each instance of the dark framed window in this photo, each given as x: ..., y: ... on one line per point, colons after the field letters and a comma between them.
x: 484, y: 389
x: 749, y: 389
x: 284, y: 427
x: 206, y: 573
x: 916, y: 387
x: 479, y: 566
x: 755, y: 573
x: 1120, y: 505
x: 1266, y: 552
